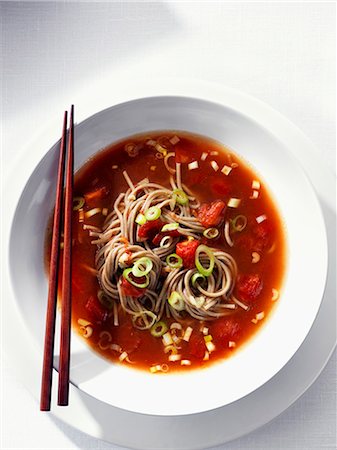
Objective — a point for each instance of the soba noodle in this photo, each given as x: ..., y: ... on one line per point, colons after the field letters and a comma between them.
x: 119, y: 247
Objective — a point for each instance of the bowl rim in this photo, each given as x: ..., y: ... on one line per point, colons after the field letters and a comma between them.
x: 45, y: 148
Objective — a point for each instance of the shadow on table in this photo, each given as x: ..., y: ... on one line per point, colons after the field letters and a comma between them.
x: 49, y: 47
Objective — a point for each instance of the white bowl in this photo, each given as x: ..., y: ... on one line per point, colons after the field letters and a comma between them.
x: 278, y: 340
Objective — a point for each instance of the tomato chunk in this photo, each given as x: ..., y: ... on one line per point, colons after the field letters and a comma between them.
x: 150, y: 229
x: 249, y: 287
x: 211, y: 214
x: 197, y: 345
x: 96, y: 309
x: 220, y: 186
x: 263, y: 233
x: 130, y: 290
x: 96, y: 194
x: 225, y: 330
x: 128, y: 337
x: 186, y: 250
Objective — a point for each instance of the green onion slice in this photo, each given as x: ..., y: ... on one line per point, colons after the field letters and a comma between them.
x: 239, y: 223
x: 140, y: 219
x: 78, y: 203
x: 106, y: 301
x: 158, y: 329
x: 195, y: 278
x: 211, y: 233
x: 176, y: 301
x: 206, y: 271
x: 153, y: 213
x: 174, y: 261
x: 170, y: 226
x: 142, y: 267
x: 127, y: 274
x: 180, y: 196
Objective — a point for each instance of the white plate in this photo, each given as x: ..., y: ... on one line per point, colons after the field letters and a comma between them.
x: 166, y: 433
x: 284, y: 331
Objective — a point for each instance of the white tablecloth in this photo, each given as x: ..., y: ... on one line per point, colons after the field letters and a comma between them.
x: 282, y: 53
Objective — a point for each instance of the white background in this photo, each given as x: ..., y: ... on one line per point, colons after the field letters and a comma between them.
x: 282, y: 53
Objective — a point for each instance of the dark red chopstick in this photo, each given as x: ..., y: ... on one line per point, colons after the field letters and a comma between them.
x: 47, y: 369
x: 63, y: 387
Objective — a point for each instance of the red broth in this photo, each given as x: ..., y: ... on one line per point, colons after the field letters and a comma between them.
x: 259, y: 249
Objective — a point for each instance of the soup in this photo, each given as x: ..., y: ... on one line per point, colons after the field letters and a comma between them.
x: 178, y: 252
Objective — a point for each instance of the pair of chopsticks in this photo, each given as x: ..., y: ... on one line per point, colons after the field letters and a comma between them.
x: 63, y: 212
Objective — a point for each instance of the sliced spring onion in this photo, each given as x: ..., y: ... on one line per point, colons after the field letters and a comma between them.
x: 187, y: 334
x: 86, y: 331
x: 78, y: 203
x: 83, y: 322
x: 104, y: 299
x: 203, y: 270
x: 140, y: 219
x: 204, y: 156
x: 231, y: 344
x: 142, y: 267
x: 256, y: 184
x: 193, y: 165
x: 123, y: 356
x: 239, y: 223
x: 180, y: 196
x: 275, y: 294
x: 211, y: 233
x: 164, y: 367
x: 153, y: 168
x: 165, y: 242
x: 226, y: 170
x: 185, y: 362
x: 176, y: 326
x: 206, y: 357
x: 153, y: 213
x: 174, y: 358
x: 114, y: 167
x: 215, y: 166
x: 255, y: 257
x: 176, y: 301
x: 155, y: 368
x: 105, y: 211
x: 174, y: 140
x: 151, y: 142
x: 167, y: 339
x: 158, y: 329
x: 170, y: 226
x: 260, y: 315
x: 254, y: 195
x: 104, y: 336
x: 208, y: 338
x: 261, y: 218
x: 205, y: 331
x: 116, y: 348
x: 92, y: 212
x: 195, y: 277
x: 210, y: 346
x: 171, y: 349
x: 234, y: 202
x: 198, y: 302
x: 174, y: 261
x: 127, y: 275
x: 141, y: 322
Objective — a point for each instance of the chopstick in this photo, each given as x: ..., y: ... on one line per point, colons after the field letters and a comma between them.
x: 63, y: 391
x: 47, y: 368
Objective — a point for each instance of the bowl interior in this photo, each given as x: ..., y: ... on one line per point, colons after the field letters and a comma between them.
x: 264, y: 355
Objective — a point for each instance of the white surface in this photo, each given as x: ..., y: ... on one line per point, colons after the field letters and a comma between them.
x: 270, y: 155
x: 284, y: 56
